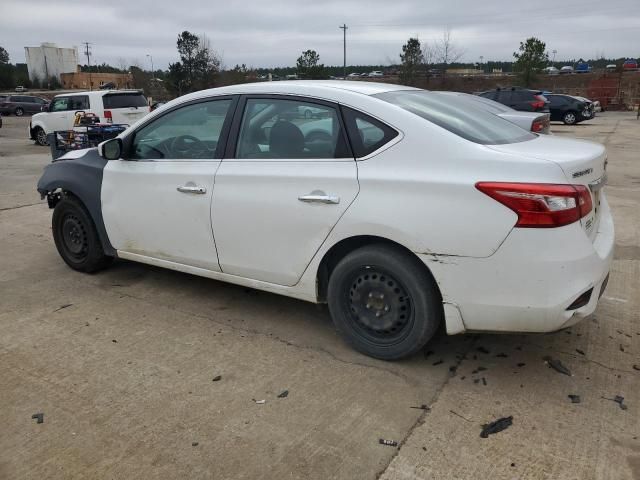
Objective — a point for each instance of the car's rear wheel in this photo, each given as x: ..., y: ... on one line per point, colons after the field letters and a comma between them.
x: 40, y: 136
x: 19, y: 112
x: 384, y: 302
x: 76, y: 237
x: 569, y: 118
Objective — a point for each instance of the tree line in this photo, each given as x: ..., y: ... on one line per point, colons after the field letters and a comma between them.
x: 199, y: 66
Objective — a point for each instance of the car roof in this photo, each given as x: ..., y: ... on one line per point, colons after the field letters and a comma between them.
x: 309, y: 87
x: 98, y: 92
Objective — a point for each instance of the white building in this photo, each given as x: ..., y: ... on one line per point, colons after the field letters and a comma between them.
x: 48, y: 61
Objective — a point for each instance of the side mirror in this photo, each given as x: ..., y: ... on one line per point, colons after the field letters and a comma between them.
x: 110, y: 149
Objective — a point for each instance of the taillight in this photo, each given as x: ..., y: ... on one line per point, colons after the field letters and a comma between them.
x: 108, y: 117
x: 538, y: 102
x: 541, y: 205
x: 537, y: 126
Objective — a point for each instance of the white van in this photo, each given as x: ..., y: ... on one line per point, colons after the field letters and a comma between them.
x: 110, y: 106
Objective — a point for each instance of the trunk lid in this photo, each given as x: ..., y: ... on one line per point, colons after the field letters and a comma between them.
x: 583, y: 163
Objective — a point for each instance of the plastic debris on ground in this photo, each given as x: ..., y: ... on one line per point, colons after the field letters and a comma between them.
x: 283, y: 394
x: 39, y: 417
x: 574, y: 398
x: 217, y: 378
x: 259, y: 402
x: 496, y: 427
x: 557, y: 365
x: 388, y: 443
x: 619, y: 400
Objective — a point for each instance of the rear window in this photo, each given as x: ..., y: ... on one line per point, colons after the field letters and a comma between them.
x: 124, y: 100
x: 458, y: 116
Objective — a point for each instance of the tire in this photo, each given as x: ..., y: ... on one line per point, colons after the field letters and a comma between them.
x: 570, y: 118
x: 19, y: 112
x: 383, y: 302
x: 40, y: 137
x: 76, y: 237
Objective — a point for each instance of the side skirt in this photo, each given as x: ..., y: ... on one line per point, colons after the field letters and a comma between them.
x: 294, y: 292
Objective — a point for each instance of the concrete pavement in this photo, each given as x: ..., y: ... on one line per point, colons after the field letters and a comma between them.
x: 122, y: 363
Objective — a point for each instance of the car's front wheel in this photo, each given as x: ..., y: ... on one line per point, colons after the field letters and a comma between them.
x: 76, y: 237
x: 41, y: 137
x: 569, y: 118
x: 384, y: 302
x: 19, y: 112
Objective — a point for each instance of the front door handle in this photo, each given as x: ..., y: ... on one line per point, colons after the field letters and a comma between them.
x: 313, y: 198
x: 192, y: 189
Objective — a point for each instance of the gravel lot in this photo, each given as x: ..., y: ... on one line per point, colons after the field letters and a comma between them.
x: 122, y: 363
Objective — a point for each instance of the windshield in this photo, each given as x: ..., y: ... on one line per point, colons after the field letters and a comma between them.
x: 458, y: 115
x: 124, y: 100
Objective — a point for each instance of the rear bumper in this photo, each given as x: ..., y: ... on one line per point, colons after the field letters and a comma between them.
x: 531, y: 282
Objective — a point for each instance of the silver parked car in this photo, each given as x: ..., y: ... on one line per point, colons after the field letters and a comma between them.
x: 536, y: 122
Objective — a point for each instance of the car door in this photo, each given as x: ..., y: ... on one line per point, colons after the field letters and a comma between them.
x: 60, y: 116
x: 556, y: 107
x: 156, y: 202
x: 284, y: 183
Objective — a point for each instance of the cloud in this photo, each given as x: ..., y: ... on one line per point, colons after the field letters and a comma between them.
x: 273, y: 33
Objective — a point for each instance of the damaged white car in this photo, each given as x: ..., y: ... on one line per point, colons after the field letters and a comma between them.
x: 404, y: 214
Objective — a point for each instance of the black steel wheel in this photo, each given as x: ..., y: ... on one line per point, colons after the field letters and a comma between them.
x: 384, y: 301
x: 76, y: 237
x: 380, y: 307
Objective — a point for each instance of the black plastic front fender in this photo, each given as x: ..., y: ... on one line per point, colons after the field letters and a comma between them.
x: 82, y: 177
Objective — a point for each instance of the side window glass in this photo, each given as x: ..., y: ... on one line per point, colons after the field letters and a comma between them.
x: 273, y: 128
x: 187, y: 133
x: 60, y: 104
x: 366, y: 133
x: 80, y: 102
x: 504, y: 96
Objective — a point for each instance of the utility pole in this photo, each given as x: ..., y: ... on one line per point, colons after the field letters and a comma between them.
x: 87, y: 52
x: 554, y: 57
x: 344, y: 48
x: 151, y: 58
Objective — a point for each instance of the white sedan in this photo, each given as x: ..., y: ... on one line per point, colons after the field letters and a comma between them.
x: 409, y: 214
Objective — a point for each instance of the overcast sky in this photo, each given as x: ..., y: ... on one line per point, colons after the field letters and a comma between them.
x: 264, y: 33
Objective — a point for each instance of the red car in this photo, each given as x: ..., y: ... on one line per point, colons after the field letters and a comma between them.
x: 630, y: 65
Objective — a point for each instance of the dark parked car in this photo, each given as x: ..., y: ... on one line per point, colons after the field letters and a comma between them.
x: 21, y: 104
x: 568, y: 109
x: 108, y: 86
x: 519, y: 99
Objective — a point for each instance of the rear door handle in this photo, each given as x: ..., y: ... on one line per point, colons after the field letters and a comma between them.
x: 192, y: 189
x: 313, y: 198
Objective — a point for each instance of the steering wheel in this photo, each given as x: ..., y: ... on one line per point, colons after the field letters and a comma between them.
x: 188, y: 144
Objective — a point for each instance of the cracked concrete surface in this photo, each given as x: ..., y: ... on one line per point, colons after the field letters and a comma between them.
x: 123, y: 373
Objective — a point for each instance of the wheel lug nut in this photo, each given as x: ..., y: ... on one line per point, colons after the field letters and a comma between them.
x: 378, y: 314
x: 368, y: 306
x: 370, y: 294
x: 386, y: 308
